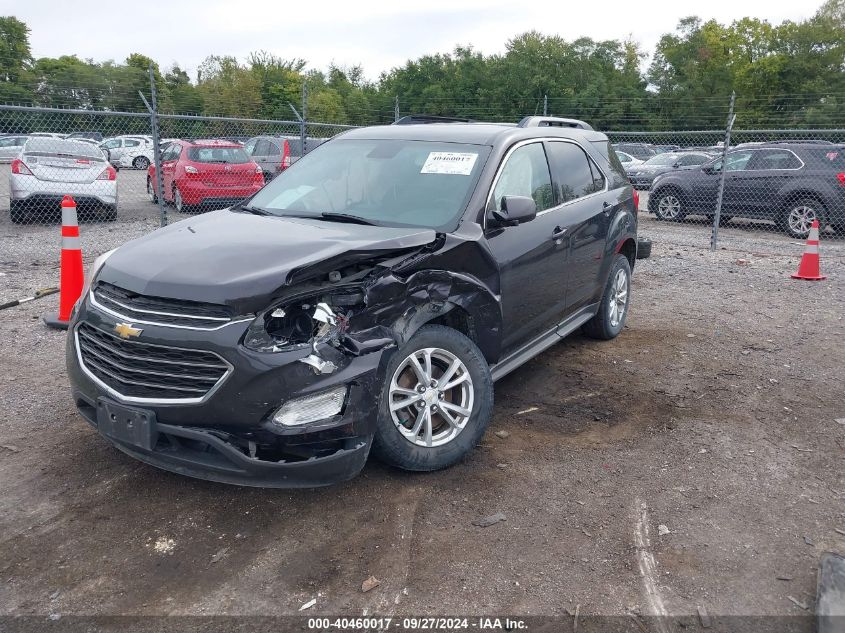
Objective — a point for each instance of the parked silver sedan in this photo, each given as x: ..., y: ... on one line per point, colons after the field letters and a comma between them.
x: 10, y: 146
x: 49, y: 169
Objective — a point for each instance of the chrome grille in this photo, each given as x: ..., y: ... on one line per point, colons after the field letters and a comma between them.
x: 159, y: 310
x: 136, y: 370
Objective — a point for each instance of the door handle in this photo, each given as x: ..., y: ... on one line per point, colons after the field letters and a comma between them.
x: 607, y: 208
x: 559, y: 232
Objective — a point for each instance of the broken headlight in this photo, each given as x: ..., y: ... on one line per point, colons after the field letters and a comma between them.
x: 295, y: 324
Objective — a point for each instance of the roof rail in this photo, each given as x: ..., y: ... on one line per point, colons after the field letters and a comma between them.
x: 428, y: 118
x: 553, y: 121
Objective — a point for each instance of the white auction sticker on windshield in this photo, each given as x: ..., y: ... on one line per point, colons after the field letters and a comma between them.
x: 455, y: 163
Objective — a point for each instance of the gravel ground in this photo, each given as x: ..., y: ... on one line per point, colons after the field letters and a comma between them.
x: 696, y: 460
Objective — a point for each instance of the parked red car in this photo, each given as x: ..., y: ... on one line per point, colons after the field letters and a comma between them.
x: 205, y: 175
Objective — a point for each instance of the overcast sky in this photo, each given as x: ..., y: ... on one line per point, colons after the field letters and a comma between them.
x: 378, y: 35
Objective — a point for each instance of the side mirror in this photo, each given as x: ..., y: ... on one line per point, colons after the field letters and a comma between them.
x: 676, y: 165
x: 516, y: 209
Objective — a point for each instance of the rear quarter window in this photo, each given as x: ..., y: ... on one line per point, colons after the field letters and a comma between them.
x: 618, y: 177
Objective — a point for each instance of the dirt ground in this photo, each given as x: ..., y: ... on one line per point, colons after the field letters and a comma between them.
x: 695, y: 461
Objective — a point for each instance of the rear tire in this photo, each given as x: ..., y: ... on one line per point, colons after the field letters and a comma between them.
x: 17, y: 214
x: 179, y: 203
x: 613, y: 310
x: 437, y: 427
x: 109, y: 213
x: 141, y: 162
x: 798, y: 217
x: 151, y: 192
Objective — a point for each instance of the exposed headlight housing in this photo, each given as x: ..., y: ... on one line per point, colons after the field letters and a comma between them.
x: 314, y: 408
x: 298, y: 323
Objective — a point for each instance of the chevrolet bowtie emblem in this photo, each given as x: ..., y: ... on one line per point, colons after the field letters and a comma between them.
x: 125, y: 330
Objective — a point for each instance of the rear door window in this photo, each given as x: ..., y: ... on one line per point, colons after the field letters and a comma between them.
x: 767, y: 159
x: 575, y: 174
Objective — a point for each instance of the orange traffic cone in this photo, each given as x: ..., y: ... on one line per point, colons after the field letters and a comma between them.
x: 72, y: 277
x: 809, y: 266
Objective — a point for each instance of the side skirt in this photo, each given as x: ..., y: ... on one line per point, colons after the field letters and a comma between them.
x: 543, y: 342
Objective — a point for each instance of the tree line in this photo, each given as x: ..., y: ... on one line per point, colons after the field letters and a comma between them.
x: 785, y: 75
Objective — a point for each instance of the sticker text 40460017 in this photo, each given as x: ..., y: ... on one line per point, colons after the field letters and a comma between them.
x: 454, y: 163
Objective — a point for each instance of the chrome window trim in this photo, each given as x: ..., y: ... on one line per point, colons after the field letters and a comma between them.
x: 542, y: 139
x: 153, y: 401
x: 93, y: 301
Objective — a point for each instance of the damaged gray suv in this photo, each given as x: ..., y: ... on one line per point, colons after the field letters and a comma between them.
x: 365, y: 300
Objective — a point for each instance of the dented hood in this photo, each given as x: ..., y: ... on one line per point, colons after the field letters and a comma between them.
x: 243, y: 260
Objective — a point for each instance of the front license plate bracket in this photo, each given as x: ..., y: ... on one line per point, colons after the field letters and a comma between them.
x: 128, y: 425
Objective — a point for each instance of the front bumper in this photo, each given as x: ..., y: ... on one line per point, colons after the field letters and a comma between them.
x: 228, y: 436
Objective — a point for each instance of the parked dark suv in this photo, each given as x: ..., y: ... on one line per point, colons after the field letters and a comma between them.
x: 791, y: 184
x: 367, y: 297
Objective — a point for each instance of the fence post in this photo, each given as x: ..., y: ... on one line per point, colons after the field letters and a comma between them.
x: 396, y: 108
x: 714, y: 235
x: 545, y: 105
x: 302, y: 121
x: 153, y: 108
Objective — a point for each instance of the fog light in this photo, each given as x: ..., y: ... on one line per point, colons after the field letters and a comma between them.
x: 311, y: 408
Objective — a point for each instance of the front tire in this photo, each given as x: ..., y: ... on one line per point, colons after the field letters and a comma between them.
x: 669, y: 206
x: 613, y: 310
x: 436, y: 403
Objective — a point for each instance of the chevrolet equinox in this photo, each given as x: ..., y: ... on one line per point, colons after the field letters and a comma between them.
x: 364, y: 300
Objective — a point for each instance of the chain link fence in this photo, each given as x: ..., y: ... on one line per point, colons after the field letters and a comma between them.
x: 774, y: 183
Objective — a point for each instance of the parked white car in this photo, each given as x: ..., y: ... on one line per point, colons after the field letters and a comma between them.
x: 133, y: 151
x: 50, y: 168
x: 627, y: 160
x: 10, y: 146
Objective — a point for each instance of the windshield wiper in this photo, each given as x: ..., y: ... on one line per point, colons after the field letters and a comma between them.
x: 346, y: 217
x: 253, y: 210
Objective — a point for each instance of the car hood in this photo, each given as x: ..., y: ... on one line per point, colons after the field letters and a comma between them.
x: 245, y: 260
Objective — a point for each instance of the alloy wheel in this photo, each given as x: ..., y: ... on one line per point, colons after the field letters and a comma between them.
x: 618, y: 298
x: 669, y: 207
x: 431, y: 397
x: 800, y: 219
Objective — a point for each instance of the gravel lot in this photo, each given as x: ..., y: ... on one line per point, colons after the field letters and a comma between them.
x: 713, y: 415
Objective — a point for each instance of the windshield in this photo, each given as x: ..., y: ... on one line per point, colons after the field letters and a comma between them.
x: 663, y: 159
x: 385, y: 182
x: 218, y: 155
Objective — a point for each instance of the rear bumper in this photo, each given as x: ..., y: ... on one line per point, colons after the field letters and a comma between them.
x: 31, y: 189
x: 195, y: 193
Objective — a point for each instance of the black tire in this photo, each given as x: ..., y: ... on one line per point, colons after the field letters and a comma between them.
x: 109, y: 213
x: 17, y: 214
x: 643, y: 248
x: 601, y: 326
x: 673, y: 202
x: 151, y: 193
x: 798, y: 215
x: 141, y: 162
x: 180, y: 205
x: 394, y: 448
